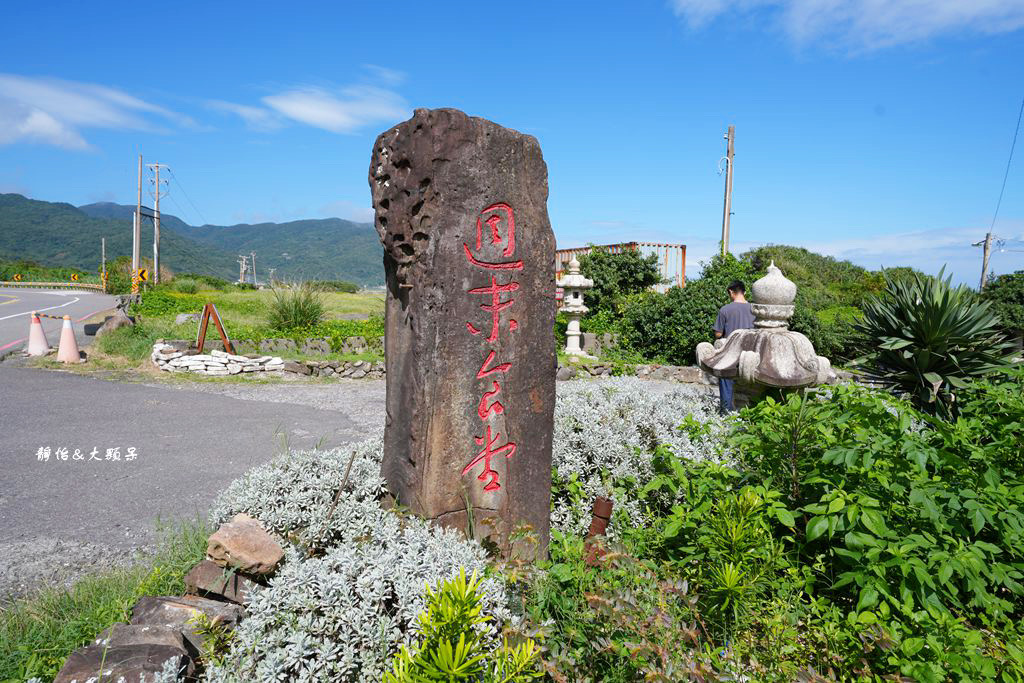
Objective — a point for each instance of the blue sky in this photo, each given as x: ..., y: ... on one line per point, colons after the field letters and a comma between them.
x: 874, y: 130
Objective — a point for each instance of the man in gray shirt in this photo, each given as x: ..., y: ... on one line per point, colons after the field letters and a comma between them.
x: 733, y: 316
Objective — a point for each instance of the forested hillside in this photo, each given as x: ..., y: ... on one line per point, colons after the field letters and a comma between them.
x: 320, y: 249
x: 57, y: 234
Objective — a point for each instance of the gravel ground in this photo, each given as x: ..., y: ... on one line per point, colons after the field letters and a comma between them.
x: 362, y: 400
x: 49, y: 559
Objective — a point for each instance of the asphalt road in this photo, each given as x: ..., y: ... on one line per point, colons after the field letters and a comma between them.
x: 188, y: 444
x: 16, y: 305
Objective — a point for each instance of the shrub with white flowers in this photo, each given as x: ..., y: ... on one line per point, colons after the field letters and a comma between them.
x: 604, y: 433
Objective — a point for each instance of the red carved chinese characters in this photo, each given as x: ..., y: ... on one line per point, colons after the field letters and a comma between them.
x: 500, y: 230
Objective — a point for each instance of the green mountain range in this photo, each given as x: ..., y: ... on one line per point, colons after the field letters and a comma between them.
x: 58, y: 234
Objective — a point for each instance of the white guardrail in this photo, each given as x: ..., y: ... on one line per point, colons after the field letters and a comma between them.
x: 54, y: 285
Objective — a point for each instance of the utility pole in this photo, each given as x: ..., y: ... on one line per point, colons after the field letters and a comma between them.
x: 730, y: 136
x: 156, y: 220
x: 242, y: 267
x: 137, y: 225
x: 103, y: 259
x: 986, y: 252
x: 272, y: 276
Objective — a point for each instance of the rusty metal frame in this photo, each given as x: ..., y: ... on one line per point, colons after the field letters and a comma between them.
x: 210, y: 311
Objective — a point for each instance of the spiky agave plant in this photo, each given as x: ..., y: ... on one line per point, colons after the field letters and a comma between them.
x: 930, y: 339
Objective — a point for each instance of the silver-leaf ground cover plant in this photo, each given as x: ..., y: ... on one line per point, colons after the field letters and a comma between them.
x: 605, y: 431
x: 354, y: 577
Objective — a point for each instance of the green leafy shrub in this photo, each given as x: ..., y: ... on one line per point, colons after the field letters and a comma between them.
x: 908, y: 524
x: 336, y: 286
x: 206, y: 281
x: 296, y: 307
x: 930, y: 339
x: 668, y: 327
x: 616, y: 276
x: 618, y: 622
x: 1006, y: 293
x: 185, y: 285
x: 162, y: 300
x: 451, y: 646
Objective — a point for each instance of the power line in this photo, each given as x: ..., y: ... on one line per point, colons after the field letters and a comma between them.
x: 1006, y: 173
x: 987, y: 242
x: 182, y: 188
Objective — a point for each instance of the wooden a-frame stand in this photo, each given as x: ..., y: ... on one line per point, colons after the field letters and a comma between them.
x: 210, y: 311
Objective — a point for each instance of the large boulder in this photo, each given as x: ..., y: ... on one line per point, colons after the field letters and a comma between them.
x: 461, y: 209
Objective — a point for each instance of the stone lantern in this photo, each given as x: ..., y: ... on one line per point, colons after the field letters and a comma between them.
x: 573, y: 285
x: 770, y: 354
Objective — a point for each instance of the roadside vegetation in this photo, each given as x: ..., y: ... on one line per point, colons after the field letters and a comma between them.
x: 38, y: 632
x: 666, y: 328
x: 31, y: 271
x: 297, y: 312
x: 842, y: 533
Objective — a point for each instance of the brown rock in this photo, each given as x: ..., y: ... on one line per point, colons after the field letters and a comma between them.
x: 210, y: 579
x: 297, y: 368
x: 461, y: 208
x: 133, y: 634
x: 242, y: 543
x: 179, y: 613
x: 118, y: 320
x: 132, y: 663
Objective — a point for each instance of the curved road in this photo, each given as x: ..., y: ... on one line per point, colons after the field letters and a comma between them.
x: 16, y: 305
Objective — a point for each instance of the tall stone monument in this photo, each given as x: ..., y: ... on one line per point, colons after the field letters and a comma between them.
x: 461, y: 207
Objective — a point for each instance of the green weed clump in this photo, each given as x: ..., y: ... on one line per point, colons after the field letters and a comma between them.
x: 185, y: 285
x: 296, y: 307
x: 37, y: 633
x: 134, y: 342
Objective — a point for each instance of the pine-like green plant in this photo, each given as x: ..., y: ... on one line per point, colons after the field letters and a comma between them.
x: 450, y: 647
x: 930, y: 339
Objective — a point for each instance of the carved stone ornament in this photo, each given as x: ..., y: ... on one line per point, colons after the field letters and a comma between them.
x: 771, y: 353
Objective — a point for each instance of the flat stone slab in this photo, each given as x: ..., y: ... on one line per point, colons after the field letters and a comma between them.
x: 178, y: 613
x: 244, y: 544
x: 132, y: 663
x: 209, y: 578
x: 133, y: 634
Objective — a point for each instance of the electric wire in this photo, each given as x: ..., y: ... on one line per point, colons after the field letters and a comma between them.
x: 1006, y: 173
x: 182, y: 188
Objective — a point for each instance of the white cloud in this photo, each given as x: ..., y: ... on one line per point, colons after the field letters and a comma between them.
x: 863, y: 24
x: 335, y: 109
x: 256, y: 118
x: 52, y: 111
x: 344, y: 111
x: 384, y: 75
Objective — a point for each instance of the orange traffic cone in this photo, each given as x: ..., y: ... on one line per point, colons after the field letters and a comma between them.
x: 37, y: 345
x: 67, y: 352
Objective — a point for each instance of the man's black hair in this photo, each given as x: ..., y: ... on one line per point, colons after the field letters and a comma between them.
x: 737, y: 286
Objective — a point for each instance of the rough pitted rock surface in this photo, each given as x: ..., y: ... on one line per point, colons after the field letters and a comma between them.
x: 461, y: 205
x: 243, y: 544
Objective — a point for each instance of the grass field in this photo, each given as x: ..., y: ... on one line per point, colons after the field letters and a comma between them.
x: 245, y: 315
